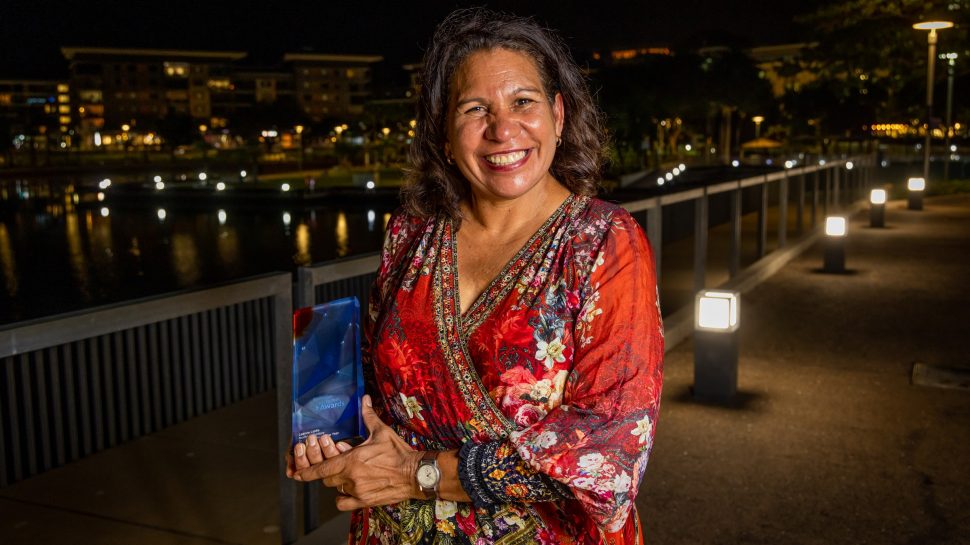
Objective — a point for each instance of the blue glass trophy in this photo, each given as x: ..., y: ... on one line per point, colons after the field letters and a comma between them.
x: 327, y: 379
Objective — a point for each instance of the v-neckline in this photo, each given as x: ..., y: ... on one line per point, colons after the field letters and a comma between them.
x: 503, y: 276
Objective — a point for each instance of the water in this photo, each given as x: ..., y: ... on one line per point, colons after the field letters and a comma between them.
x: 57, y: 256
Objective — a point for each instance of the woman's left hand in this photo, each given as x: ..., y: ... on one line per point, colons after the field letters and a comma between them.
x: 379, y: 471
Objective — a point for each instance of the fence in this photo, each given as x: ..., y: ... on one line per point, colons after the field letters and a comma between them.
x: 76, y: 384
x: 79, y: 383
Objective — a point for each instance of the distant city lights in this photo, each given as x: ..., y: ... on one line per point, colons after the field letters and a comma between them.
x: 682, y: 167
x: 221, y: 186
x: 223, y: 217
x: 162, y: 214
x: 203, y: 176
x: 105, y: 212
x: 821, y: 162
x: 159, y: 185
x: 287, y: 218
x: 789, y: 164
x: 371, y: 184
x: 735, y: 163
x: 676, y: 171
x: 104, y: 184
x: 849, y: 165
x: 100, y: 196
x: 669, y: 176
x: 285, y: 187
x: 661, y: 181
x: 242, y: 173
x: 688, y: 147
x: 157, y: 179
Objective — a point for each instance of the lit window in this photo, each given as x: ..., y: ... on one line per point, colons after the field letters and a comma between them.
x: 65, y: 120
x: 64, y: 109
x: 176, y: 69
x: 5, y: 99
x: 219, y: 84
x: 351, y: 73
x: 63, y: 99
x: 62, y: 88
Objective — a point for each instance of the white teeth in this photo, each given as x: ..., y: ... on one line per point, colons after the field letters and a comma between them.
x: 505, y: 158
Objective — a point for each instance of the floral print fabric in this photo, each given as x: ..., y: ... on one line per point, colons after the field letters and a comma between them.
x: 557, y: 367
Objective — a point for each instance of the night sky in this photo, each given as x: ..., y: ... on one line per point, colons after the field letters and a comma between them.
x: 31, y: 32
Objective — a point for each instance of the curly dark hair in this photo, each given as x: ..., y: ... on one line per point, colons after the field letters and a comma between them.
x: 432, y: 185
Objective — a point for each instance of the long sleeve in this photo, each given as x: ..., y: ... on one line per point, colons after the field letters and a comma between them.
x: 598, y: 440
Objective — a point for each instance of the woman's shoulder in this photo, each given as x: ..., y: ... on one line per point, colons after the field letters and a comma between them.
x: 598, y: 218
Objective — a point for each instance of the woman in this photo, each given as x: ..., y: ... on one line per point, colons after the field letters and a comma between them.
x: 515, y: 343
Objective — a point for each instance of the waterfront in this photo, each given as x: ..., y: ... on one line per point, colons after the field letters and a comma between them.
x: 57, y: 256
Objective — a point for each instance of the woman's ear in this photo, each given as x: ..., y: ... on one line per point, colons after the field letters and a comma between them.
x: 559, y: 112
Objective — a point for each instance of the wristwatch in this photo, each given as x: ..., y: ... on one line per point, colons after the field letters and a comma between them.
x: 428, y: 475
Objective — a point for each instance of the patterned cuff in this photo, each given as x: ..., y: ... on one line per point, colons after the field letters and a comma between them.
x: 469, y: 474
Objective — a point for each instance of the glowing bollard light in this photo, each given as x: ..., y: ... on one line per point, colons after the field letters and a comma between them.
x: 716, y: 344
x: 877, y: 208
x: 835, y: 231
x: 916, y: 188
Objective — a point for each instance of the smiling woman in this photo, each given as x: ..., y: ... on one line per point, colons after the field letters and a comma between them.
x: 514, y: 343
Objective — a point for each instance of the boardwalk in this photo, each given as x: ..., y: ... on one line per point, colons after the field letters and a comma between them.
x: 829, y: 441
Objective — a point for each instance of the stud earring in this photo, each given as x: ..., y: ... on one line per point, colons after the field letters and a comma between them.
x: 558, y: 141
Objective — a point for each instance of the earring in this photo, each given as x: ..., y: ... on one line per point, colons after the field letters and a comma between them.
x: 558, y: 141
x: 450, y: 160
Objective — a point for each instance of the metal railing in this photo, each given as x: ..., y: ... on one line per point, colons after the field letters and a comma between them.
x: 75, y: 384
x: 833, y: 187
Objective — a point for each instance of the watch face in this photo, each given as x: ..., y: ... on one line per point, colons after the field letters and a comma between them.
x: 427, y: 476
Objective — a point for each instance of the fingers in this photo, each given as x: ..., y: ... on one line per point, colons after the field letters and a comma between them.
x: 371, y: 420
x: 300, y: 460
x: 314, y: 451
x: 344, y: 447
x: 329, y: 449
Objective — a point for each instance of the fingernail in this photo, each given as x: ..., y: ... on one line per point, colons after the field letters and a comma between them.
x: 298, y: 450
x: 325, y: 440
x: 297, y: 477
x: 312, y: 441
x: 367, y: 401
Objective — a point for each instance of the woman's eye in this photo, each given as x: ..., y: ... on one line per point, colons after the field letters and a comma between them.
x: 475, y: 110
x: 523, y: 101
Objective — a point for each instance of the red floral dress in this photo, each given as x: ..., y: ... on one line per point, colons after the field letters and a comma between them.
x: 555, y: 371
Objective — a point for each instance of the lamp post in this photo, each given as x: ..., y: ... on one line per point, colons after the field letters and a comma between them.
x: 835, y: 231
x: 951, y: 61
x: 877, y: 208
x: 758, y: 119
x: 716, y: 344
x: 932, y: 26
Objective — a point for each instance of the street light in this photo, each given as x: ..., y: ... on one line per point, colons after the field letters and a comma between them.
x: 716, y: 344
x: 758, y: 119
x: 916, y: 187
x: 877, y: 208
x: 951, y: 62
x: 932, y: 26
x: 835, y: 231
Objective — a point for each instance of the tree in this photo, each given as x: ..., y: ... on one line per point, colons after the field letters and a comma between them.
x: 869, y: 61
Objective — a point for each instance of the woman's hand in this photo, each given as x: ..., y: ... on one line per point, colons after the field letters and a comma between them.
x: 379, y: 471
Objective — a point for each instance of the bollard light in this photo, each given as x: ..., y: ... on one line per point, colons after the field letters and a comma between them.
x: 716, y: 344
x: 849, y: 165
x: 285, y: 187
x: 916, y: 187
x: 836, y: 229
x: 221, y: 186
x: 877, y: 208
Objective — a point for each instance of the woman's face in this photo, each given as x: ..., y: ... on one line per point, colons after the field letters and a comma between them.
x: 502, y: 128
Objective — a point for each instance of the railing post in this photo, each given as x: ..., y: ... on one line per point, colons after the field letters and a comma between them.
x: 815, y: 186
x: 836, y: 182
x: 655, y: 235
x: 735, y: 265
x: 828, y: 192
x: 283, y: 359
x: 801, y: 203
x: 700, y: 241
x: 763, y: 219
x: 782, y: 210
x: 304, y: 296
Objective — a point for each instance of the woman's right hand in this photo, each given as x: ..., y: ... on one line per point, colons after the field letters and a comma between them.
x: 313, y: 451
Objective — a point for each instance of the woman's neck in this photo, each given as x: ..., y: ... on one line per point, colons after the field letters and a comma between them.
x: 506, y: 217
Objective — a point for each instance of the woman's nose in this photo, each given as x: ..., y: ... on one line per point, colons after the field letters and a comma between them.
x: 503, y: 126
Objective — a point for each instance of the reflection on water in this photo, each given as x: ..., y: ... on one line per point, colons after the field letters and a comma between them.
x: 6, y: 257
x: 185, y: 259
x: 228, y: 245
x: 75, y: 253
x: 343, y: 238
x: 302, y: 240
x: 64, y: 253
